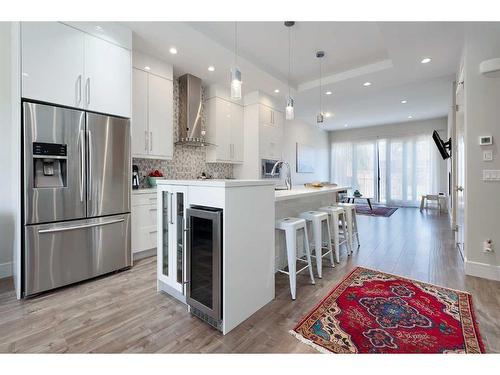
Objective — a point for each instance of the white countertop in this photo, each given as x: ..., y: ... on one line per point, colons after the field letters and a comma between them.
x: 217, y: 183
x: 298, y: 192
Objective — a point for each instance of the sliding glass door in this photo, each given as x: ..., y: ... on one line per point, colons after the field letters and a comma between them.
x: 394, y: 171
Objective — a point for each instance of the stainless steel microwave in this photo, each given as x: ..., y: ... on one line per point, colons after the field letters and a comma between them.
x: 266, y: 168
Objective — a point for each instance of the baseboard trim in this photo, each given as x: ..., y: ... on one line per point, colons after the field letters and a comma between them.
x: 144, y: 254
x: 483, y: 270
x: 5, y: 270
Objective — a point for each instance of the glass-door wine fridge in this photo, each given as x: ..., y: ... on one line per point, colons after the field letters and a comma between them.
x: 204, y: 263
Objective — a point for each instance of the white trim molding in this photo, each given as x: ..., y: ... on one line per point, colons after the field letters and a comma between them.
x: 5, y: 270
x: 483, y: 270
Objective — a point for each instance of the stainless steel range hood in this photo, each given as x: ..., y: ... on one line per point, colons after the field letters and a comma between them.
x: 190, y: 131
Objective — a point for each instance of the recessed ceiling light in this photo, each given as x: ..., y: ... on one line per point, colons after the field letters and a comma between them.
x: 404, y: 101
x: 366, y: 84
x: 147, y: 68
x: 276, y: 91
x: 328, y: 114
x: 211, y: 68
x: 410, y: 116
x: 346, y: 125
x: 328, y: 93
x: 173, y: 50
x: 426, y: 60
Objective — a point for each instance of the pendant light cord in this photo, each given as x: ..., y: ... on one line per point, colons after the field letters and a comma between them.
x: 289, y: 57
x: 320, y: 99
x: 236, y: 44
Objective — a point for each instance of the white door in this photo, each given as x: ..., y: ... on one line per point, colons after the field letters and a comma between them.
x: 52, y: 63
x: 460, y: 158
x: 107, y: 77
x: 236, y: 132
x: 140, y: 130
x: 161, y: 128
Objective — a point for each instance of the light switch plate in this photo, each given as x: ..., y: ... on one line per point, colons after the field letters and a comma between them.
x: 487, y: 155
x: 485, y: 140
x: 491, y: 175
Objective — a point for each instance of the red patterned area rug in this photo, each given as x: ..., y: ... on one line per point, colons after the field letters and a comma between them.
x: 375, y: 312
x: 377, y: 210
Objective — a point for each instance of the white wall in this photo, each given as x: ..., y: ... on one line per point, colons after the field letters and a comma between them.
x: 9, y: 158
x: 304, y: 133
x: 482, y: 117
x: 399, y: 130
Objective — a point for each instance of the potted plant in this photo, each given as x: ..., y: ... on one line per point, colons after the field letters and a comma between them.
x: 154, y: 176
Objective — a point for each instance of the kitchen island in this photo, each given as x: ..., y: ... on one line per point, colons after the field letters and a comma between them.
x: 215, y: 247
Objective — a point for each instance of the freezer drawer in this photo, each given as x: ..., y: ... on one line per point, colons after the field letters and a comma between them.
x: 63, y: 253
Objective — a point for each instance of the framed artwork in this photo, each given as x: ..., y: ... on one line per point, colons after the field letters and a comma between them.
x: 305, y: 158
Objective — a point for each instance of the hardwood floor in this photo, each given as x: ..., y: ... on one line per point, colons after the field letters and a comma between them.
x: 124, y: 313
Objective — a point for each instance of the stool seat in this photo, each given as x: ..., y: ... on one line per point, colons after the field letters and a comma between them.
x: 352, y: 222
x: 289, y: 222
x: 311, y: 215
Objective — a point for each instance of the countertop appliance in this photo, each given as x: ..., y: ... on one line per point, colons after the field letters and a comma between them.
x: 76, y: 199
x: 135, y: 177
x: 267, y: 169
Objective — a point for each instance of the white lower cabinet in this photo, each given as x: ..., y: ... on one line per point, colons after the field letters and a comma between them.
x: 171, y: 256
x: 144, y: 220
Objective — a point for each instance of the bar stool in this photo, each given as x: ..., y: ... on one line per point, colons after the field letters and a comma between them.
x: 337, y: 216
x: 317, y: 219
x: 291, y: 225
x: 352, y: 223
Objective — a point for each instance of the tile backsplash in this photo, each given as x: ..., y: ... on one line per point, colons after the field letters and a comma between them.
x: 188, y: 162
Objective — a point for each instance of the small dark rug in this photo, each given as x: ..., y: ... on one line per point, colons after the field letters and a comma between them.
x: 377, y: 210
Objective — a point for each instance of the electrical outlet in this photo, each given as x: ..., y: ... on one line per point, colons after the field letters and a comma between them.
x: 487, y: 155
x: 488, y: 246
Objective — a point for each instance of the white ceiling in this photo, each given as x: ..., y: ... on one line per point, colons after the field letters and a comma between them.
x: 387, y: 54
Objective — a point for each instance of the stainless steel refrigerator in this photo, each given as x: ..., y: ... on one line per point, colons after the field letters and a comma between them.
x: 76, y: 201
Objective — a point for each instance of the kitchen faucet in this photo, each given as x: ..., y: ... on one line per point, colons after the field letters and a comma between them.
x: 288, y: 178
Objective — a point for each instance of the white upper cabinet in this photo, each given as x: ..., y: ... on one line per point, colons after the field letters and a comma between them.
x: 271, y: 133
x: 52, y: 63
x: 107, y: 77
x: 152, y: 116
x: 140, y: 131
x: 224, y: 130
x: 160, y: 100
x: 66, y: 66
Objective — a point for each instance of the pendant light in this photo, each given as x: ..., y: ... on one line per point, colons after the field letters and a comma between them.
x: 289, y: 112
x: 235, y: 72
x: 319, y: 117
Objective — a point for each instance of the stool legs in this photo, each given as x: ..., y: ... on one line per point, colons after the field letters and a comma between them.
x: 336, y: 235
x: 307, y: 250
x: 344, y: 230
x: 329, y: 242
x: 355, y: 224
x: 291, y: 252
x: 350, y: 228
x: 318, y: 241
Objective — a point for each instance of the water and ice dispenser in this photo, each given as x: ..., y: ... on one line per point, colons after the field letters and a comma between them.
x: 50, y: 163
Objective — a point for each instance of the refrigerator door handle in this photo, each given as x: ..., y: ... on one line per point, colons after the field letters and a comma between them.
x: 76, y: 227
x: 89, y: 177
x: 82, y: 165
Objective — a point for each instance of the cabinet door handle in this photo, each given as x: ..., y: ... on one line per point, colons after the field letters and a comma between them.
x: 171, y: 209
x: 150, y: 141
x: 87, y: 91
x: 145, y: 141
x: 79, y: 89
